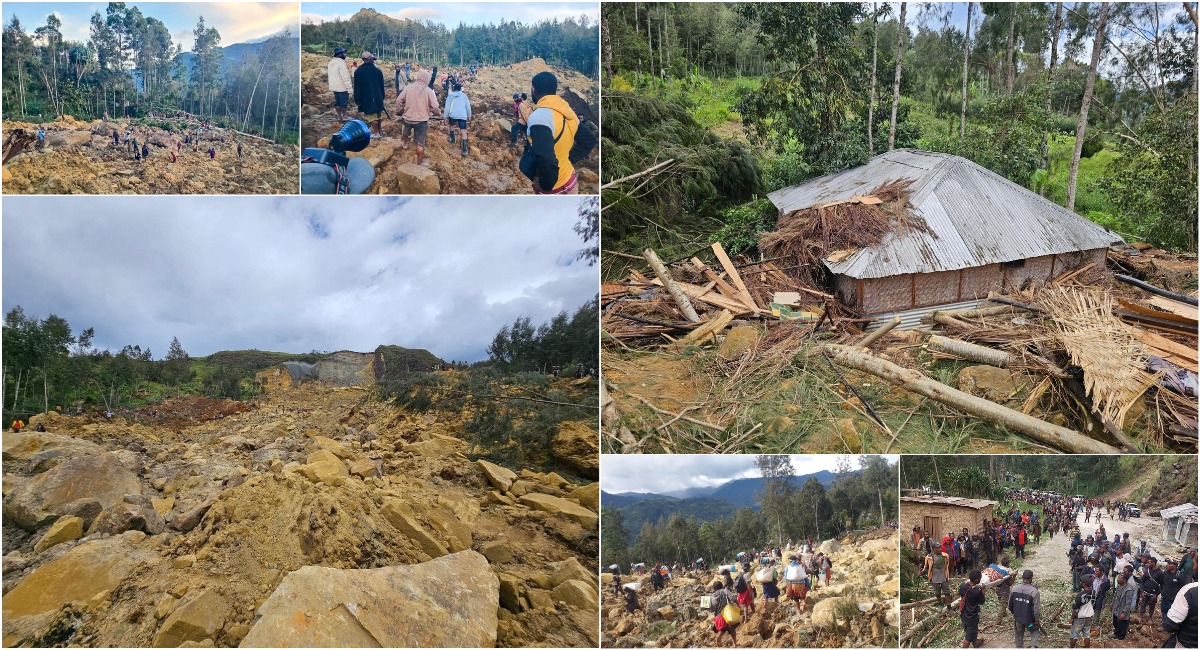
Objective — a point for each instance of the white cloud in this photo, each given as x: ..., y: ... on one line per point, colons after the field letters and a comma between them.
x: 293, y: 274
x: 658, y: 473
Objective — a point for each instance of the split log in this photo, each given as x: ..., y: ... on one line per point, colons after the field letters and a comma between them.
x: 1158, y: 291
x: 735, y: 277
x: 970, y: 351
x: 664, y: 276
x: 878, y: 334
x: 917, y: 603
x: 1060, y: 438
x: 711, y: 328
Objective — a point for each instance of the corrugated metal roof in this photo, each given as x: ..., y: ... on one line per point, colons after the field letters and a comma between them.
x: 963, y: 502
x: 1187, y: 511
x: 975, y: 217
x: 911, y: 318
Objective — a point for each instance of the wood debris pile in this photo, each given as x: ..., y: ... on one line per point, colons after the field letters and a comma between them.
x: 806, y: 238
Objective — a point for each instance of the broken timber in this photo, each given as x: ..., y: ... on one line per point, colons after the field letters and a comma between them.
x: 685, y: 305
x: 1044, y: 432
x: 1158, y: 291
x: 708, y: 329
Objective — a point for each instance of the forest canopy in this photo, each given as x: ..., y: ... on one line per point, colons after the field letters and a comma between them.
x: 131, y: 66
x: 569, y: 43
x: 1081, y: 102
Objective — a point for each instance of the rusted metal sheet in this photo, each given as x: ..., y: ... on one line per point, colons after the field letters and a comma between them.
x: 974, y: 216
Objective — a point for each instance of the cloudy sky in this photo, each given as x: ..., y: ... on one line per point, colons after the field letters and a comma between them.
x: 658, y: 473
x: 453, y: 13
x: 238, y: 22
x: 294, y: 275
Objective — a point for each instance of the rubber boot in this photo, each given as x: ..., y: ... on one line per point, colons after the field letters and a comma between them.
x: 451, y: 136
x: 464, y: 147
x: 1071, y: 643
x: 1087, y: 642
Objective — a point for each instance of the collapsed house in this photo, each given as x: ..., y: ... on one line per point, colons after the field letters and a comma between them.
x: 969, y: 232
x: 1179, y: 524
x: 938, y: 515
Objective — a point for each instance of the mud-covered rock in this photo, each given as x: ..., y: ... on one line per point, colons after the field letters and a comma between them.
x: 98, y: 477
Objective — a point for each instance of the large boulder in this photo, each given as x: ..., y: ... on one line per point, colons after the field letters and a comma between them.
x: 71, y: 138
x: 38, y: 451
x: 400, y: 516
x: 501, y: 478
x: 81, y: 574
x: 99, y: 477
x: 197, y: 619
x: 66, y: 529
x: 560, y: 506
x: 412, y: 178
x: 991, y: 383
x: 833, y: 611
x: 577, y: 594
x: 447, y: 602
x: 577, y: 446
x: 135, y: 512
x: 588, y: 496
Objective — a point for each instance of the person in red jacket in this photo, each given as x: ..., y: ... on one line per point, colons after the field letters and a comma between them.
x: 1021, y: 539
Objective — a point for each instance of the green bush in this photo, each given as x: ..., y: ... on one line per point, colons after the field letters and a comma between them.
x: 743, y: 224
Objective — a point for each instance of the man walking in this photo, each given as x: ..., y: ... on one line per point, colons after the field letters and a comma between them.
x: 972, y: 594
x: 1025, y: 601
x: 458, y: 111
x: 415, y: 105
x: 553, y: 131
x: 340, y: 82
x: 368, y: 93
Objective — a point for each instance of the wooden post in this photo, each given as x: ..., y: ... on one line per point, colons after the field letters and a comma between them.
x: 664, y: 276
x: 1044, y: 432
x: 878, y: 334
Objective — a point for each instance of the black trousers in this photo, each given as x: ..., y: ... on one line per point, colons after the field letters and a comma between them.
x: 1120, y: 628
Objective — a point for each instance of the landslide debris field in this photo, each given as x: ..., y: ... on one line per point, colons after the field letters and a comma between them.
x: 80, y: 158
x: 1102, y: 360
x: 857, y: 610
x: 312, y: 516
x: 490, y: 167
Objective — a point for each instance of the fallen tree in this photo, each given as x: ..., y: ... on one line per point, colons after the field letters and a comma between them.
x: 1045, y: 433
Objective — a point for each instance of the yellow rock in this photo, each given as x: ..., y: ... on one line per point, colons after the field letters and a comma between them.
x: 66, y: 529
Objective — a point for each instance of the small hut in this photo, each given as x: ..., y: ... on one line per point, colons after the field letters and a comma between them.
x: 939, y: 515
x: 1179, y: 524
x: 975, y: 231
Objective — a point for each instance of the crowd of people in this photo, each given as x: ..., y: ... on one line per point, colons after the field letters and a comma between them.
x: 1131, y: 581
x: 554, y: 138
x: 790, y: 572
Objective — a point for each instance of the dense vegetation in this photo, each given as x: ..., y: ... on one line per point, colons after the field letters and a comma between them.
x: 856, y: 500
x: 762, y: 96
x: 567, y: 43
x: 131, y: 66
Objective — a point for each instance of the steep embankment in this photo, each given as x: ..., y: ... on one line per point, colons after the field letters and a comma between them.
x: 313, y: 516
x: 490, y: 167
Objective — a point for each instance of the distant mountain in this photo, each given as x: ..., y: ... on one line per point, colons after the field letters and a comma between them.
x: 703, y: 503
x: 233, y: 55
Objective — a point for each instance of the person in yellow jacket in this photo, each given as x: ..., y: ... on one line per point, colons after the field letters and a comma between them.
x: 17, y: 425
x: 556, y: 140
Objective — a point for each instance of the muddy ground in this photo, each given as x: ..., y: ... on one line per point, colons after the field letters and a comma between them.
x: 491, y: 165
x: 80, y: 158
x: 208, y: 523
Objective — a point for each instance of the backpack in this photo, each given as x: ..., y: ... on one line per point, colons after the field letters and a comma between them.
x: 740, y: 586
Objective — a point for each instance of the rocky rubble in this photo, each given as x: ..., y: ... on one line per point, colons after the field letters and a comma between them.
x: 859, y: 608
x: 490, y: 167
x: 315, y: 517
x: 79, y: 158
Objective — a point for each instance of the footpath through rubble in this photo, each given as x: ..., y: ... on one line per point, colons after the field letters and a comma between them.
x: 315, y: 517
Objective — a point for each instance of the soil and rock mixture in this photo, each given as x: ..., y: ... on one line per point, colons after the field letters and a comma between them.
x: 857, y: 609
x: 315, y: 516
x: 490, y: 166
x: 80, y: 158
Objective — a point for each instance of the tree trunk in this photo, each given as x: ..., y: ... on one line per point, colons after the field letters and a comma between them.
x: 901, y: 39
x: 17, y: 389
x: 962, y: 118
x: 45, y: 390
x: 1044, y: 432
x: 607, y: 45
x: 1058, y: 9
x: 874, y: 67
x: 1088, y: 88
x: 1010, y: 65
x: 663, y: 274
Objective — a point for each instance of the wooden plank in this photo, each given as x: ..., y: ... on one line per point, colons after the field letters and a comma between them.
x: 732, y: 272
x: 724, y: 287
x: 1177, y: 353
x: 708, y: 329
x: 1164, y: 315
x: 1177, y: 308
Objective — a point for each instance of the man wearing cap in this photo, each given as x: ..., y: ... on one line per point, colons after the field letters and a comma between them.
x: 415, y: 105
x: 1025, y: 602
x: 552, y: 130
x: 368, y: 92
x: 1173, y: 581
x: 340, y: 82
